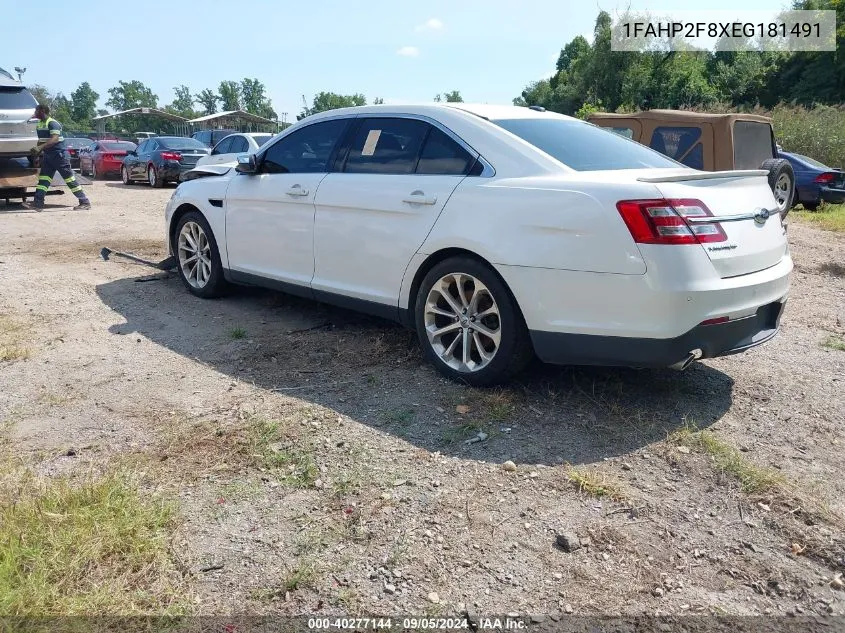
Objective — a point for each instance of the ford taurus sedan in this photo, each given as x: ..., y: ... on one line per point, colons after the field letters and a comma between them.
x: 497, y: 233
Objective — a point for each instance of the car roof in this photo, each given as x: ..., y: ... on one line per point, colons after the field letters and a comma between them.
x: 484, y: 111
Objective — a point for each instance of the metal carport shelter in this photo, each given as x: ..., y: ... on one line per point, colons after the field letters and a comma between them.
x: 182, y: 127
x: 235, y: 119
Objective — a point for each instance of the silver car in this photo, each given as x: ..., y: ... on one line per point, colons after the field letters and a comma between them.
x: 17, y: 118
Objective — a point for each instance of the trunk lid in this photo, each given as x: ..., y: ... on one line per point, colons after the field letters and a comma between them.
x: 743, y: 205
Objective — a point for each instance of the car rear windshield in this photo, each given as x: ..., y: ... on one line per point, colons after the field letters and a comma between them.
x: 811, y: 161
x: 753, y: 143
x: 585, y: 147
x: 260, y: 140
x: 16, y: 99
x: 118, y: 147
x: 180, y: 143
x: 78, y: 143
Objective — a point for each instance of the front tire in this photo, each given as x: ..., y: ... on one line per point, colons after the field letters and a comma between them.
x: 197, y: 256
x: 782, y: 182
x: 469, y: 325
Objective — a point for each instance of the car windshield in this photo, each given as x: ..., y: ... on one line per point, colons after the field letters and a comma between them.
x: 12, y: 98
x: 261, y: 139
x: 180, y: 143
x: 585, y: 147
x: 118, y: 147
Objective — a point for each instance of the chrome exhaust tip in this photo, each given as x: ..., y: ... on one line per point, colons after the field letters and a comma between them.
x: 693, y: 356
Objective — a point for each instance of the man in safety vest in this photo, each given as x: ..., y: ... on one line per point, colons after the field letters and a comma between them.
x: 54, y: 158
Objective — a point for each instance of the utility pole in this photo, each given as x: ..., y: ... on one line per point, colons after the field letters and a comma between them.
x: 20, y: 72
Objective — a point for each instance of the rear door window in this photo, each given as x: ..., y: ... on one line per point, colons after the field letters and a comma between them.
x: 624, y: 131
x: 680, y: 143
x: 753, y: 143
x: 386, y: 146
x: 441, y: 155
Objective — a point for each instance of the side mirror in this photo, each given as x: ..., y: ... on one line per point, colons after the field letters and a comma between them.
x: 247, y: 164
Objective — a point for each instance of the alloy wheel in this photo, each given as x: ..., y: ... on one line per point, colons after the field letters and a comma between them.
x: 462, y: 322
x: 194, y: 252
x: 783, y: 187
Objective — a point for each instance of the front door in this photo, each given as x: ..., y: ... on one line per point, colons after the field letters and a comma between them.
x: 270, y: 214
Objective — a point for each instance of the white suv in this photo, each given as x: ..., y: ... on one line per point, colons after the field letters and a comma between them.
x: 17, y: 119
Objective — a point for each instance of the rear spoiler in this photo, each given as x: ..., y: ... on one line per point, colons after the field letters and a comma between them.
x: 706, y: 175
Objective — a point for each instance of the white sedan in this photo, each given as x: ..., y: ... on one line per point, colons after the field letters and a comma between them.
x: 497, y: 233
x: 226, y: 152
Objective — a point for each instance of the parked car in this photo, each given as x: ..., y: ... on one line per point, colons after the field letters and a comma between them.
x: 228, y: 150
x: 17, y: 119
x: 496, y: 233
x: 210, y: 138
x: 104, y: 158
x: 161, y: 159
x: 815, y: 182
x: 73, y: 146
x: 711, y: 142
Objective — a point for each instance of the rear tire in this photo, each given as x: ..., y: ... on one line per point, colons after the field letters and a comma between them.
x: 782, y: 183
x: 461, y: 303
x: 811, y: 206
x: 124, y: 175
x: 153, y: 178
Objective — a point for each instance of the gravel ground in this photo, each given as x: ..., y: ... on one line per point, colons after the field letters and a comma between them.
x: 322, y: 467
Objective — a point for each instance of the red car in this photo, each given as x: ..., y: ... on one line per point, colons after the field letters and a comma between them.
x: 104, y: 158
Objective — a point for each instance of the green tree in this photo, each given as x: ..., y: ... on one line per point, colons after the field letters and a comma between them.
x: 255, y: 100
x: 131, y: 94
x: 183, y: 102
x: 208, y: 100
x: 230, y: 95
x: 84, y: 104
x: 330, y: 101
x: 450, y: 97
x: 62, y: 111
x: 42, y: 94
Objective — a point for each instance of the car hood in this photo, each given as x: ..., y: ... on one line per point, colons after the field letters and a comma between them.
x: 204, y: 171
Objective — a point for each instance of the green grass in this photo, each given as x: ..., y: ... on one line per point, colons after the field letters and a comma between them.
x: 729, y: 460
x: 834, y: 342
x: 271, y: 449
x: 237, y: 333
x: 830, y: 217
x: 96, y: 546
x: 10, y: 340
x: 594, y: 483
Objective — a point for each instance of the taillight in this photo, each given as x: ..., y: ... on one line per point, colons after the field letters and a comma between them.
x: 715, y: 321
x: 171, y: 156
x: 663, y: 221
x: 825, y: 177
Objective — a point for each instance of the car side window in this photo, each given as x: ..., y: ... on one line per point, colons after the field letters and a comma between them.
x: 152, y: 146
x: 386, y: 146
x: 306, y: 151
x: 441, y: 155
x: 624, y: 131
x: 239, y: 145
x: 680, y: 143
x: 223, y: 147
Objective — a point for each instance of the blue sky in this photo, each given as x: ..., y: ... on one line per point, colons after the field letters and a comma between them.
x: 399, y: 51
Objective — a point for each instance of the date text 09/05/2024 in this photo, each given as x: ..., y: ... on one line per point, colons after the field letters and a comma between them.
x: 433, y: 624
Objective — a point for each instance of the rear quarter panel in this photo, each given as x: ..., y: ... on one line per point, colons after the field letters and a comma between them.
x: 562, y: 223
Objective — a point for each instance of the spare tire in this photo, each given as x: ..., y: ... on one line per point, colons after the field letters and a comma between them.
x: 782, y: 182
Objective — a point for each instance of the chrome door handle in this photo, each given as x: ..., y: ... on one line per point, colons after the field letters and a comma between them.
x: 418, y: 197
x: 296, y: 190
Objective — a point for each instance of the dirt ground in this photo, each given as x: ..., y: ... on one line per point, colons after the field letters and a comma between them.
x: 321, y: 466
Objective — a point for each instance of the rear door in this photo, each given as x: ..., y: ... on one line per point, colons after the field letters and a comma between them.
x: 373, y: 216
x: 752, y: 244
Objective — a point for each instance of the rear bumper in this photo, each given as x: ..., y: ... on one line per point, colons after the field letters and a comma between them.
x: 833, y: 196
x: 705, y: 341
x: 14, y: 147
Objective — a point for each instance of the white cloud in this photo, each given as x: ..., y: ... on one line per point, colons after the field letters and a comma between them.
x: 430, y: 25
x: 408, y: 51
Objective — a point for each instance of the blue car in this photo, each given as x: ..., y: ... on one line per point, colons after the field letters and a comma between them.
x: 815, y: 182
